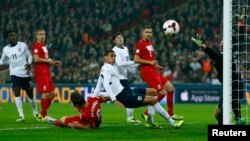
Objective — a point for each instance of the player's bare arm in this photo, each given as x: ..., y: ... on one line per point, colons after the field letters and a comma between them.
x: 37, y: 59
x: 105, y: 98
x: 119, y: 103
x: 159, y: 68
x: 138, y: 60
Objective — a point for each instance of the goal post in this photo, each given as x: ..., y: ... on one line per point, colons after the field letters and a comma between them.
x: 227, y: 61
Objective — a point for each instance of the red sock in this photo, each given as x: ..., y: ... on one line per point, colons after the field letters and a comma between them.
x: 170, y: 104
x: 49, y: 102
x: 159, y: 98
x: 44, y: 106
x: 58, y: 123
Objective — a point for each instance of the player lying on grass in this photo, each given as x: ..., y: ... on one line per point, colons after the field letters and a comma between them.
x: 125, y: 97
x: 90, y: 117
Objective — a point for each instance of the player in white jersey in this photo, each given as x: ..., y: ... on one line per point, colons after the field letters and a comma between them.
x: 19, y: 58
x: 124, y: 96
x: 122, y: 64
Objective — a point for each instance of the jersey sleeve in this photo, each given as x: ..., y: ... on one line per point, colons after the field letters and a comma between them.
x: 98, y: 87
x: 35, y: 50
x: 215, y: 55
x: 4, y: 58
x: 139, y: 49
x: 121, y: 63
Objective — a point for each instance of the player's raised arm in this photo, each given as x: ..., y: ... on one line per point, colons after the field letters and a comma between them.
x: 210, y: 52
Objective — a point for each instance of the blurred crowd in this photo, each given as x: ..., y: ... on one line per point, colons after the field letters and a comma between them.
x: 78, y: 32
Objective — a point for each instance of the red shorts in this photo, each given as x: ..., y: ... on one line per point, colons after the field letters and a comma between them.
x: 153, y: 79
x: 44, y: 84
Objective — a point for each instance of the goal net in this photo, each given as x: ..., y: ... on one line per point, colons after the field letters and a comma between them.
x: 237, y: 108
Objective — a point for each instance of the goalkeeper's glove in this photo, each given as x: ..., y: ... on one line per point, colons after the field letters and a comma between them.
x: 243, y: 15
x: 198, y: 41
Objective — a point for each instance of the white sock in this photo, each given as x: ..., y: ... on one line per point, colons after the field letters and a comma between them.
x: 151, y: 112
x: 130, y: 113
x: 33, y: 105
x: 19, y: 106
x: 163, y: 113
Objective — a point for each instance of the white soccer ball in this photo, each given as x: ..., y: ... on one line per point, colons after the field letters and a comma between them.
x: 171, y: 28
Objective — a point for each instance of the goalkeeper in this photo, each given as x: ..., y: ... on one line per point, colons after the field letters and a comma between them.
x: 236, y: 85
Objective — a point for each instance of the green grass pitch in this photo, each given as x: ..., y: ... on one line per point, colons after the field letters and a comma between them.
x: 113, y: 127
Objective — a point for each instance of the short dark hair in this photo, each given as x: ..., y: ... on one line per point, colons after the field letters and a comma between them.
x: 106, y: 53
x: 116, y: 34
x: 39, y: 29
x: 146, y: 26
x: 77, y: 99
x: 10, y: 31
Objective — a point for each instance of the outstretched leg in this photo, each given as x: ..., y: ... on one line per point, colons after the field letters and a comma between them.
x: 155, y: 105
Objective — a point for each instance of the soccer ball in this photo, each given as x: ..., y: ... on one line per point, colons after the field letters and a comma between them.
x: 171, y: 28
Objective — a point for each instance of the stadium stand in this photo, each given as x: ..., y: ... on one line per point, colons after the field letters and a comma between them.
x: 78, y: 32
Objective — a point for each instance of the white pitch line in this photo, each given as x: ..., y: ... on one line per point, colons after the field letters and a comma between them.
x: 27, y: 128
x: 138, y: 124
x: 104, y: 125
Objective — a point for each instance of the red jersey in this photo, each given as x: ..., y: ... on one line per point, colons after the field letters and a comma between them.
x: 92, y: 115
x: 41, y: 50
x: 149, y: 73
x: 145, y: 50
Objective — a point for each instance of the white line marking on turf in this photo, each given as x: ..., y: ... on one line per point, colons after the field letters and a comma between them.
x: 27, y: 128
x: 103, y: 124
x: 138, y: 124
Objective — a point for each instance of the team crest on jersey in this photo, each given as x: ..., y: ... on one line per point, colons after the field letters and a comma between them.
x: 19, y: 49
x: 150, y: 48
x: 44, y: 87
x: 139, y: 98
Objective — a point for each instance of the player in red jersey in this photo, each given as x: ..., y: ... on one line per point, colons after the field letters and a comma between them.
x: 151, y: 71
x: 42, y: 75
x: 90, y: 117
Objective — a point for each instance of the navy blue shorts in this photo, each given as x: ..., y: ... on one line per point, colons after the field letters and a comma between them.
x: 137, y: 90
x: 131, y: 99
x: 22, y: 82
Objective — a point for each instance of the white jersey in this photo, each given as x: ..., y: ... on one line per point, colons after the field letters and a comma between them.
x: 109, y: 80
x: 122, y: 61
x: 17, y: 56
